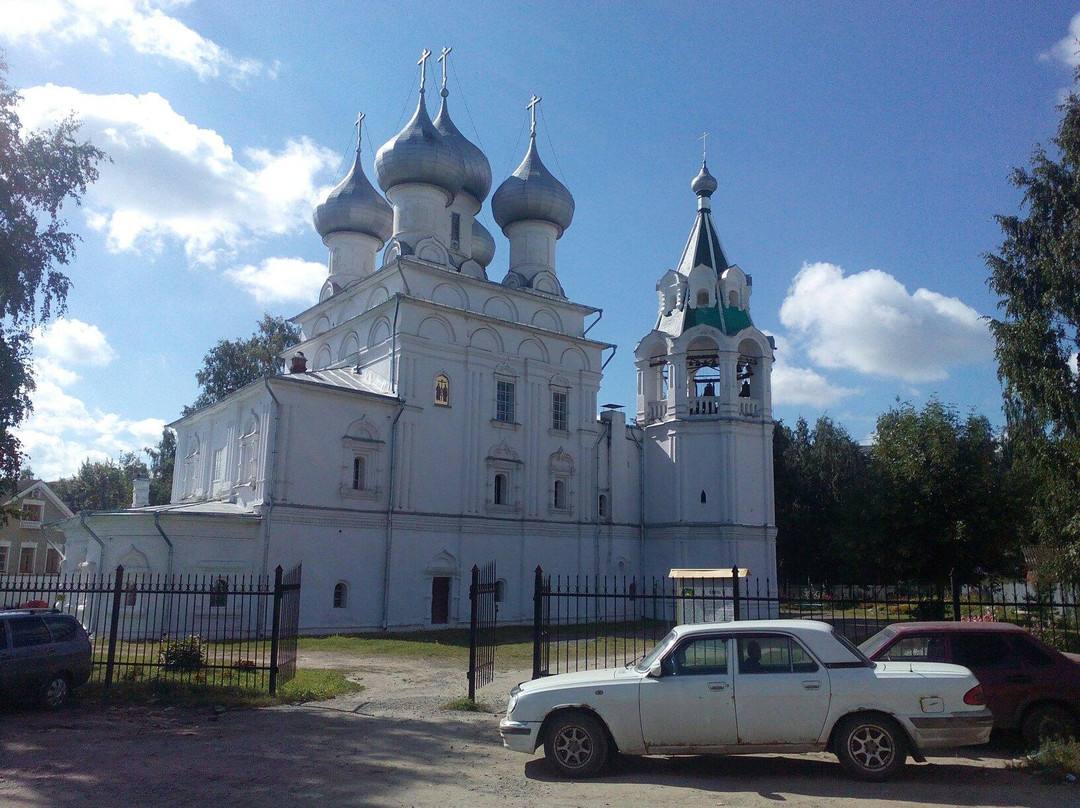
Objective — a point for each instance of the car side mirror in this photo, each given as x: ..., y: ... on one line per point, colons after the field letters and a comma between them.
x: 656, y: 670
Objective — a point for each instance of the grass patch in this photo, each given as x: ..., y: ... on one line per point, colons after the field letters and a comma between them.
x: 450, y: 645
x: 466, y: 705
x: 309, y: 684
x: 1055, y: 760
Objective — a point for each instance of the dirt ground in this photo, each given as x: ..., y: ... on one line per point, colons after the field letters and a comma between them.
x: 392, y: 745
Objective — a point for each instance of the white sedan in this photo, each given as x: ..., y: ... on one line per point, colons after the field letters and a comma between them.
x: 749, y: 687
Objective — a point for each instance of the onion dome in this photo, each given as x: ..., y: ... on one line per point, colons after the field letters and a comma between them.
x: 355, y: 206
x: 704, y: 183
x: 420, y: 153
x: 483, y: 245
x: 477, y: 169
x: 532, y: 192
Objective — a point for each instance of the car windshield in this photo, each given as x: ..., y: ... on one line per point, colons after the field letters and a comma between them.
x: 876, y: 643
x: 647, y: 660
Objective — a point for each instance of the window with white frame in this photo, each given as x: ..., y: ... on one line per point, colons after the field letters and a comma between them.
x: 503, y: 471
x: 27, y: 556
x: 560, y: 410
x: 562, y: 473
x: 249, y: 450
x: 505, y: 393
x: 362, y: 451
x: 32, y: 512
x: 52, y: 562
x: 219, y: 468
x: 191, y: 466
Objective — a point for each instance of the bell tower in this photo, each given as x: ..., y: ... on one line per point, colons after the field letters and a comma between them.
x: 704, y: 402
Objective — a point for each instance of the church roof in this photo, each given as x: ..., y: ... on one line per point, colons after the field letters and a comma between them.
x: 477, y: 169
x: 532, y: 193
x: 355, y: 206
x: 703, y: 246
x: 341, y: 378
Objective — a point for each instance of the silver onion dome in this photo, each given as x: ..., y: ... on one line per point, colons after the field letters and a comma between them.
x: 532, y: 192
x: 483, y: 245
x: 477, y: 169
x: 704, y: 183
x: 355, y: 206
x: 420, y: 153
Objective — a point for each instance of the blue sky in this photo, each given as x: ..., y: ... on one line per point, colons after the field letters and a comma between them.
x: 862, y: 151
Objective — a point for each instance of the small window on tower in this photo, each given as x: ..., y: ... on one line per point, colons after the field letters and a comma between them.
x: 455, y: 231
x: 702, y: 298
x: 702, y: 497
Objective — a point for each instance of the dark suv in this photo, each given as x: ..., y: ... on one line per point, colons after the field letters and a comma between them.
x: 43, y: 655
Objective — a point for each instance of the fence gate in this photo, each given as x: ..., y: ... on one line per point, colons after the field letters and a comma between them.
x: 286, y: 626
x: 483, y: 613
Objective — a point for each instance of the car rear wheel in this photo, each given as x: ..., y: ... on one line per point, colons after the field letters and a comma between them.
x: 870, y: 747
x: 55, y: 692
x: 576, y: 744
x: 1046, y: 722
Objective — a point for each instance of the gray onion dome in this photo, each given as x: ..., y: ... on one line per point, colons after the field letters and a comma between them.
x: 420, y: 153
x: 704, y: 183
x: 532, y: 192
x: 483, y: 245
x: 355, y: 206
x: 477, y: 169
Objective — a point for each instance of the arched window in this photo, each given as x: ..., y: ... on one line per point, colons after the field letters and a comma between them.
x: 131, y: 594
x: 500, y: 591
x: 702, y: 298
x: 500, y: 489
x: 341, y: 595
x: 442, y: 390
x: 733, y: 299
x: 359, y: 473
x: 560, y: 494
x: 703, y: 498
x: 602, y: 506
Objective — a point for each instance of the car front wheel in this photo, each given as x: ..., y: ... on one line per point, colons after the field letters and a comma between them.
x: 870, y: 747
x: 1046, y: 722
x: 576, y: 744
x: 55, y: 692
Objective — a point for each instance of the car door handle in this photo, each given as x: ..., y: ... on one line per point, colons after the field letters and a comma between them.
x: 811, y: 685
x: 718, y: 685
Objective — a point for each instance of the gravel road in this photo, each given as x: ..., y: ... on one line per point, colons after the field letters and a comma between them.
x: 392, y: 745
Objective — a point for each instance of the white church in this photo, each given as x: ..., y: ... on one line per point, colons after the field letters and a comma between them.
x: 440, y: 412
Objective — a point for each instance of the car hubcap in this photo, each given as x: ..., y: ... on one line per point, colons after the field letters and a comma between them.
x: 573, y: 747
x: 871, y: 747
x: 56, y: 691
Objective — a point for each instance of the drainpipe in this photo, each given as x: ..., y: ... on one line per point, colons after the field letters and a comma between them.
x: 86, y: 527
x: 157, y: 524
x: 390, y: 520
x: 599, y: 317
x: 605, y: 429
x: 641, y: 494
x: 268, y: 493
x: 393, y: 348
x: 614, y: 350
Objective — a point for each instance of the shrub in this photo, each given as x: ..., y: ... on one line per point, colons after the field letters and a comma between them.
x: 183, y: 654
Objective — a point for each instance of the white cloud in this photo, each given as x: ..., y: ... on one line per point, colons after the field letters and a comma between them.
x: 62, y: 432
x: 1067, y: 49
x: 870, y: 323
x: 797, y: 385
x: 281, y: 280
x: 171, y: 179
x: 140, y: 23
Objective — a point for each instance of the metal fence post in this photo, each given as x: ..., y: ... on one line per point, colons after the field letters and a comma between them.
x: 956, y: 600
x: 538, y: 617
x: 114, y: 624
x: 472, y: 631
x: 276, y: 630
x: 735, y: 592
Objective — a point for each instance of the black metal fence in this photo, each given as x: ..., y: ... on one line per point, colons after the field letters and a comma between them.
x: 199, y: 629
x: 483, y: 613
x: 586, y: 622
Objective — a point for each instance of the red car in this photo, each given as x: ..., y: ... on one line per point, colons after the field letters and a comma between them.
x: 1029, y: 685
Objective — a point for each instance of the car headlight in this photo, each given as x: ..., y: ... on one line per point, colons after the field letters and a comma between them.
x: 512, y: 703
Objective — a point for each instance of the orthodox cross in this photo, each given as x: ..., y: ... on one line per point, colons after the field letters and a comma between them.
x: 531, y: 106
x: 423, y: 67
x: 702, y: 139
x: 443, y: 59
x: 359, y: 124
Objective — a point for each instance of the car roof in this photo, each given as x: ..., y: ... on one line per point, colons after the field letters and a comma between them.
x: 816, y: 634
x: 947, y: 627
x: 19, y: 612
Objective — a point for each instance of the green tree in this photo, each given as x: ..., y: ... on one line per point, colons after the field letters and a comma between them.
x: 941, y: 496
x: 39, y: 173
x: 231, y: 364
x: 162, y: 460
x: 822, y: 488
x: 1037, y: 275
x: 101, y: 485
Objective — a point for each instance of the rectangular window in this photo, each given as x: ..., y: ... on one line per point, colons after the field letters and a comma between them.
x: 504, y: 402
x: 359, y: 473
x: 52, y: 562
x: 26, y: 559
x: 455, y: 231
x: 219, y: 464
x: 31, y: 512
x: 3, y: 559
x: 560, y: 408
